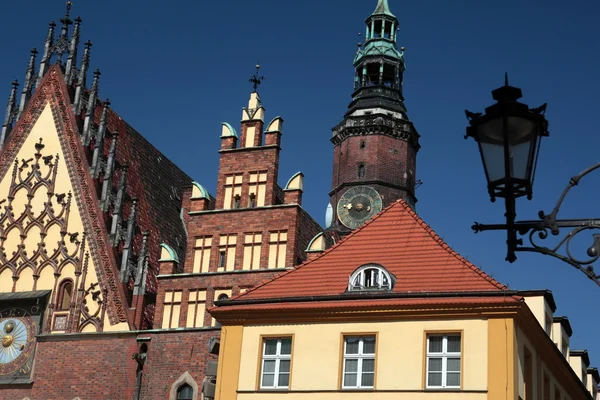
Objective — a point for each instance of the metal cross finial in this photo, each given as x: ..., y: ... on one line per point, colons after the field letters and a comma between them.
x: 255, y: 79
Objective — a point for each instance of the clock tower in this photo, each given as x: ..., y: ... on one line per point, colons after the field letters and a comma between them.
x: 375, y: 145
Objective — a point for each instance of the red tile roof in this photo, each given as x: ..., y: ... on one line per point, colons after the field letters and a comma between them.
x: 398, y: 240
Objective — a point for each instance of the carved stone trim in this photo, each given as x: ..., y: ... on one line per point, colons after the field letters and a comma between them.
x: 185, y: 378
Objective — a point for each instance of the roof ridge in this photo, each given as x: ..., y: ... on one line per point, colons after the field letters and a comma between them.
x: 327, y: 251
x: 437, y: 238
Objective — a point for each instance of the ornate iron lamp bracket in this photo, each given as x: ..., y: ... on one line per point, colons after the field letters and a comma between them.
x: 547, y: 225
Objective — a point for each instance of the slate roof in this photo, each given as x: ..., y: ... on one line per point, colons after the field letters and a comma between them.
x: 399, y: 240
x: 157, y: 183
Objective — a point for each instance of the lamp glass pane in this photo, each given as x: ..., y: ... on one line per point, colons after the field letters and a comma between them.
x: 519, y: 157
x: 493, y: 158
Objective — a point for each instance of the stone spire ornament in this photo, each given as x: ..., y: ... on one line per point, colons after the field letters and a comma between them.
x: 29, y: 81
x: 11, y: 112
x: 89, y: 112
x: 47, y: 52
x: 73, y: 47
x: 81, y: 80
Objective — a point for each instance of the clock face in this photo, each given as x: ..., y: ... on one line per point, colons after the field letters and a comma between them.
x: 357, y: 205
x: 16, y: 332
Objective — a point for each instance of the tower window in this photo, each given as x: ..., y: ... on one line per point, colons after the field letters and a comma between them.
x: 236, y: 201
x: 362, y: 144
x: 372, y: 75
x: 377, y: 31
x: 389, y: 75
x: 361, y: 170
x: 252, y: 200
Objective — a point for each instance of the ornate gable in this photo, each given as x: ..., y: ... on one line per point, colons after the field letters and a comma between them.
x: 52, y: 231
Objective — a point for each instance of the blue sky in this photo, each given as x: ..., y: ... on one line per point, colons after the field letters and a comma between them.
x: 176, y: 70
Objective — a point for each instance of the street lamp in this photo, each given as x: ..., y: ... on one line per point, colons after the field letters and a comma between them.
x: 509, y: 136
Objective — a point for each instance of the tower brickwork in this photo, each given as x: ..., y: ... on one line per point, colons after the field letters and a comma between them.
x: 375, y: 145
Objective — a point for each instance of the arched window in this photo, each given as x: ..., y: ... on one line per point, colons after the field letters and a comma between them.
x: 65, y: 293
x: 361, y: 170
x: 222, y: 296
x: 371, y: 277
x: 185, y: 392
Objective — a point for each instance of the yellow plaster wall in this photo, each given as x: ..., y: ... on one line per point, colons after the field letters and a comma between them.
x: 45, y: 129
x: 316, y: 358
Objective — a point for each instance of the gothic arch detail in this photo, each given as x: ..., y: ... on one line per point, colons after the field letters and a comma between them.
x: 185, y: 378
x: 52, y: 94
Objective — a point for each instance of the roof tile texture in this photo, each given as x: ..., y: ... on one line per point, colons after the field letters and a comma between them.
x: 399, y: 240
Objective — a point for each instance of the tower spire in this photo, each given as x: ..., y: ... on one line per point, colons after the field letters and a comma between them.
x: 383, y: 8
x: 364, y: 181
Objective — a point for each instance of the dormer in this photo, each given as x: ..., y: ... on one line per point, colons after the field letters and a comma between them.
x: 593, y: 381
x: 371, y: 277
x: 561, y: 333
x: 580, y: 362
x: 542, y: 305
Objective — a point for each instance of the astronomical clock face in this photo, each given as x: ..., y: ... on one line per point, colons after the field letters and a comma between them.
x: 357, y: 205
x: 17, y: 331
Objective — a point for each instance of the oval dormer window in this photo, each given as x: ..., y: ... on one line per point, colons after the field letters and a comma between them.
x: 371, y: 277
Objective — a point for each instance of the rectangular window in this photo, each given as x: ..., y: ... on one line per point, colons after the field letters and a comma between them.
x: 443, y: 361
x: 257, y: 189
x: 276, y: 362
x: 172, y: 307
x: 277, y: 249
x: 227, y: 252
x: 202, y: 254
x: 196, y: 308
x: 359, y: 362
x: 222, y: 294
x: 252, y: 249
x: 233, y: 189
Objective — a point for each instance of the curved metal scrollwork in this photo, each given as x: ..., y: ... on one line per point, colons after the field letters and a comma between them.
x: 548, y: 225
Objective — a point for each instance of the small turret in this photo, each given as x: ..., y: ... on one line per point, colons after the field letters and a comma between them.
x: 82, y: 78
x: 72, y: 58
x: 128, y: 246
x: 99, y: 144
x: 47, y: 52
x: 11, y: 112
x: 108, y: 174
x: 142, y: 267
x: 89, y: 112
x: 118, y: 206
x: 29, y: 81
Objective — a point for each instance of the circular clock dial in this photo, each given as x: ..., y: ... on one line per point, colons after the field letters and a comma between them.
x: 357, y: 205
x: 16, y: 332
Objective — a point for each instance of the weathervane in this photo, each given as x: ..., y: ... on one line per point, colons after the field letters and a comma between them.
x: 255, y: 79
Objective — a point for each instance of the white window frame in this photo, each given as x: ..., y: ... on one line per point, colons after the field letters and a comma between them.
x: 358, y: 279
x: 444, y: 355
x: 361, y: 356
x: 277, y: 357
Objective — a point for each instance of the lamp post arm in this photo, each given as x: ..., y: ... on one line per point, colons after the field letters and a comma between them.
x: 574, y: 181
x: 549, y: 225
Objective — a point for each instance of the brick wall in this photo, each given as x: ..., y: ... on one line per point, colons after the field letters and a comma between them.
x: 99, y: 367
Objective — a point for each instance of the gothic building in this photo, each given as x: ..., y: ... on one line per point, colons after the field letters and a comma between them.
x: 117, y: 269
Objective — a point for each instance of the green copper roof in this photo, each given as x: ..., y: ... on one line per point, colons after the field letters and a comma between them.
x: 383, y: 8
x: 378, y: 48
